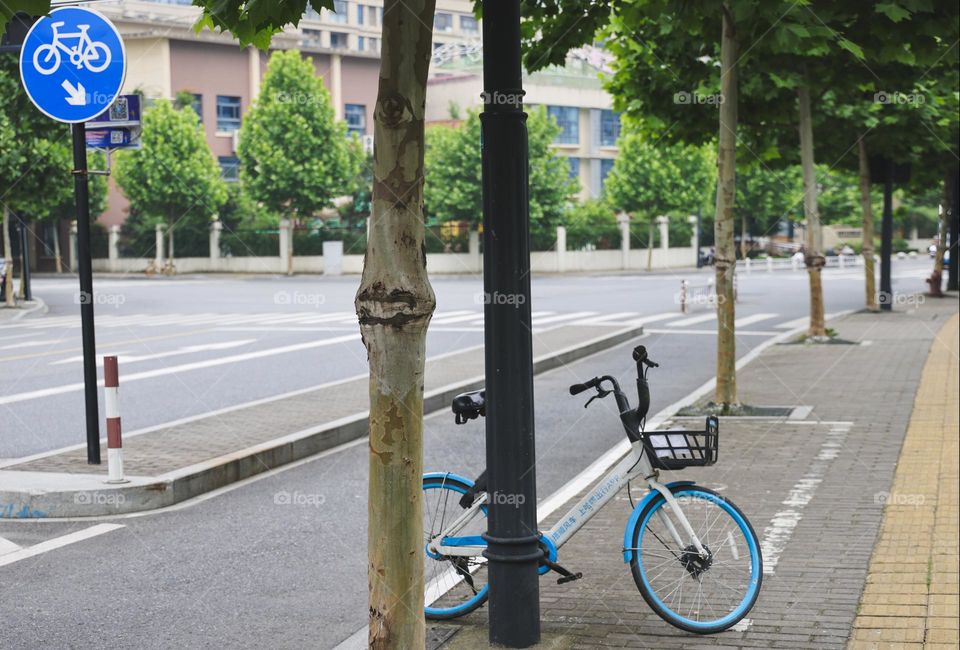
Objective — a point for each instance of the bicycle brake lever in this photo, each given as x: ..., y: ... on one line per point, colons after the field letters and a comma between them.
x: 600, y: 393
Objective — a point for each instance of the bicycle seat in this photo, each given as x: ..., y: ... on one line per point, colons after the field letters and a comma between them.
x: 468, y: 406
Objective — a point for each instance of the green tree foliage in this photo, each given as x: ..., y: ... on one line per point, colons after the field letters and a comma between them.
x: 172, y: 179
x: 592, y: 224
x: 452, y: 187
x: 651, y: 179
x: 36, y: 180
x: 294, y: 156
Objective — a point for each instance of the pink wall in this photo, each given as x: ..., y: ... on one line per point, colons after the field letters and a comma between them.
x: 211, y: 69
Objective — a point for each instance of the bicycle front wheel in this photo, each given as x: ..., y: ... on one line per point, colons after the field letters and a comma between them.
x: 453, y: 585
x: 695, y: 593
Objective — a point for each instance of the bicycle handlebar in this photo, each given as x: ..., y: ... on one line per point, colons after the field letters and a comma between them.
x: 576, y: 389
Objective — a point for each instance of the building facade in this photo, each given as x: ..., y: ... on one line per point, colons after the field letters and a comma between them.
x: 573, y: 95
x: 167, y: 57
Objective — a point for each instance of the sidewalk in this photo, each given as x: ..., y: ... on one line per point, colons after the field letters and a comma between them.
x: 12, y: 314
x: 177, y: 461
x: 911, y: 592
x: 815, y: 490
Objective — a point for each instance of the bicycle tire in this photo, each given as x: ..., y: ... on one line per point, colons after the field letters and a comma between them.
x: 743, y: 606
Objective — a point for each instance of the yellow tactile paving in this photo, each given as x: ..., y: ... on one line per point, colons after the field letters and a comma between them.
x: 911, y: 596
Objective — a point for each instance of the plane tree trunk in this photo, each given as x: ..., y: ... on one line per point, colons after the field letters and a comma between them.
x: 394, y: 305
x: 813, y: 255
x: 8, y: 257
x: 724, y: 223
x: 866, y: 211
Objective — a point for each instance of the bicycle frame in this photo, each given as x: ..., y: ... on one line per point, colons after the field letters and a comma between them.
x: 634, y: 465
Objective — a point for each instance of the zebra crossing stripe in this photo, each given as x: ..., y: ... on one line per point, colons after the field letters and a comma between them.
x: 686, y: 322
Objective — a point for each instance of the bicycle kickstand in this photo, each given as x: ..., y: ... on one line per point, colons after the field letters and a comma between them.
x: 566, y: 575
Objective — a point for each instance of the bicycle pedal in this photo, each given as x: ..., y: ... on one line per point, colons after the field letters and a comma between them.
x: 569, y: 578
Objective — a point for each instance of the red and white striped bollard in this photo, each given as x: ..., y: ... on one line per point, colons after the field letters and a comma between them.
x: 111, y: 401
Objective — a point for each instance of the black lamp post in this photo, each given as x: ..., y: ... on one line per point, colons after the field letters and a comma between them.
x: 512, y: 539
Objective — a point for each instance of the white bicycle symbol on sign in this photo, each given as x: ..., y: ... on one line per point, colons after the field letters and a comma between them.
x: 93, y: 55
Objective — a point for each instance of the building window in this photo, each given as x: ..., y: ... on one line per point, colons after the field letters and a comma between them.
x: 606, y: 164
x: 361, y: 43
x: 359, y: 13
x: 568, y: 118
x: 197, y: 105
x: 609, y: 128
x: 229, y: 168
x: 228, y: 113
x: 574, y: 164
x: 373, y: 44
x: 338, y: 40
x: 356, y: 116
x: 443, y: 22
x: 312, y: 36
x: 469, y: 25
x: 339, y: 13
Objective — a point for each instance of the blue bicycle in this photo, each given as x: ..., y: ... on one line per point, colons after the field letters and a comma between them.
x: 693, y: 554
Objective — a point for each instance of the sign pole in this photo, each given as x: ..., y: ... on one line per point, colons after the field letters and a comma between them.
x: 886, y: 242
x: 84, y: 266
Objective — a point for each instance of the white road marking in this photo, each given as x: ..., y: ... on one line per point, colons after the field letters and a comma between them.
x: 686, y: 322
x: 562, y: 317
x: 189, y: 349
x: 159, y: 372
x: 750, y: 320
x: 443, y: 320
x: 711, y: 332
x: 29, y: 344
x: 604, y: 320
x: 6, y: 546
x: 57, y: 542
x: 777, y: 534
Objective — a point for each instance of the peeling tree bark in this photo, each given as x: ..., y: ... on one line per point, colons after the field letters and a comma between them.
x: 394, y: 305
x: 724, y: 223
x: 8, y: 257
x: 813, y: 256
x: 866, y: 211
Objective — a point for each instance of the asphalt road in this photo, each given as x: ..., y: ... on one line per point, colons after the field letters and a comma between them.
x: 245, y: 568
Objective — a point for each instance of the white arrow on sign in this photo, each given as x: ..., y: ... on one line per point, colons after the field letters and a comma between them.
x: 76, y: 95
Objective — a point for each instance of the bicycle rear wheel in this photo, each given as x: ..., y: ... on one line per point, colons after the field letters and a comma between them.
x: 454, y: 585
x: 697, y: 594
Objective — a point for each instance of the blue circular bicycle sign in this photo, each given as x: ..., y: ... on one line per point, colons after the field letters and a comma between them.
x: 72, y: 64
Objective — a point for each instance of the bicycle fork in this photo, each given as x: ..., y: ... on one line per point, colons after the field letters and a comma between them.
x: 677, y: 512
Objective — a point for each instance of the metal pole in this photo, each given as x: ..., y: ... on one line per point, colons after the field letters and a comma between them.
x: 25, y: 260
x: 952, y: 284
x: 886, y: 242
x: 699, y: 229
x: 512, y: 552
x: 86, y: 292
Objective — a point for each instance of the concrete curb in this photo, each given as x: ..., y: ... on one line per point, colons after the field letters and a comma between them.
x: 39, y: 305
x: 30, y: 495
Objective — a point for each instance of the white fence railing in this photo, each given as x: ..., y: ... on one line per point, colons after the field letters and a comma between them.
x: 772, y: 264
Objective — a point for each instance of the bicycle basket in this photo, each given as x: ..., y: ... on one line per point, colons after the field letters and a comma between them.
x: 679, y: 448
